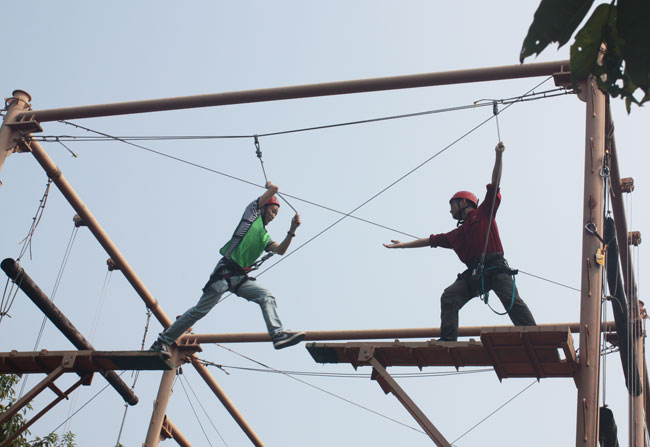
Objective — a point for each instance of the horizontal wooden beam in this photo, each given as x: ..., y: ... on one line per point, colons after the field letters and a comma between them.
x: 301, y: 91
x: 368, y: 334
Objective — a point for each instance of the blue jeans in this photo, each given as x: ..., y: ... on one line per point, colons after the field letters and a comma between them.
x: 249, y: 290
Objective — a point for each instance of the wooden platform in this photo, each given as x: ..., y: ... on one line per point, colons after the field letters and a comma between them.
x: 512, y: 352
x: 82, y: 361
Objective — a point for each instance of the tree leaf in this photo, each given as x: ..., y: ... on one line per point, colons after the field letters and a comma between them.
x: 584, y: 51
x: 554, y: 21
x: 633, y: 26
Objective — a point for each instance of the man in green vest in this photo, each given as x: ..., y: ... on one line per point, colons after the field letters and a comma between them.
x: 247, y: 243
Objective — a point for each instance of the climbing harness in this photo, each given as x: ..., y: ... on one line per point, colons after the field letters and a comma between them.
x: 227, y: 269
x: 475, y: 275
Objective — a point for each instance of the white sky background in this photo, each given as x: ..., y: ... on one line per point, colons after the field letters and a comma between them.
x: 169, y: 219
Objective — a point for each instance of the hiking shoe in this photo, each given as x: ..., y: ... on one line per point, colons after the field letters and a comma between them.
x: 286, y: 339
x: 160, y: 346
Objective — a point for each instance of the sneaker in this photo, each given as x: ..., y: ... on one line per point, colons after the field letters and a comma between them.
x: 160, y: 346
x: 286, y: 339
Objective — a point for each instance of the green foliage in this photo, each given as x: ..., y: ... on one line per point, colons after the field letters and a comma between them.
x: 555, y: 21
x: 7, y: 398
x: 623, y: 26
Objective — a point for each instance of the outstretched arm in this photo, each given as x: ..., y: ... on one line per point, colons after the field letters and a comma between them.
x: 271, y: 189
x: 282, y: 247
x: 498, y: 164
x: 424, y: 242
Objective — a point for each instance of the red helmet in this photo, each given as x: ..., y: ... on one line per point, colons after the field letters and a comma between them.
x: 273, y: 201
x: 465, y: 195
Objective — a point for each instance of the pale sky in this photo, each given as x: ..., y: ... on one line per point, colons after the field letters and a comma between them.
x: 169, y: 219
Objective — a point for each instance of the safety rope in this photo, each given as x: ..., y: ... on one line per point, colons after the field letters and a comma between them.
x: 481, y: 267
x: 320, y: 389
x: 10, y: 292
x: 605, y: 292
x: 91, y: 337
x: 196, y: 416
x: 135, y: 379
x: 529, y: 96
x: 27, y: 241
x: 189, y: 385
x: 258, y: 152
x: 57, y: 282
x: 485, y: 295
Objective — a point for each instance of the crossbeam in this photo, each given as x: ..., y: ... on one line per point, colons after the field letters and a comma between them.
x: 83, y: 361
x: 370, y: 334
x: 300, y: 91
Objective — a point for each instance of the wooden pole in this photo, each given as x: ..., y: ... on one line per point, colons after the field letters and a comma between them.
x: 367, y: 334
x: 303, y: 91
x: 591, y: 283
x: 19, y: 102
x: 160, y: 407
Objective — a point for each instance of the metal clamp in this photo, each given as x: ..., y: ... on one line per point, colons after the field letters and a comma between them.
x: 258, y: 151
x: 593, y: 230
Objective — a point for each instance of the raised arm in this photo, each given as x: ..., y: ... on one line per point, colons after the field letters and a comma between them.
x: 271, y: 189
x: 282, y: 247
x: 423, y: 242
x: 498, y: 164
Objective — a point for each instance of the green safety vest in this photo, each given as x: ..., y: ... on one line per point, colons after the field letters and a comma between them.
x: 249, y: 247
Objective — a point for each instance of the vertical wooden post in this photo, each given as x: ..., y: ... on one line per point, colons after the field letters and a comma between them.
x: 160, y: 404
x: 591, y: 283
x: 19, y: 102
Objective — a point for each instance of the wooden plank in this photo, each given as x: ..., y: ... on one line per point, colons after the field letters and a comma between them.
x: 514, y: 352
x: 85, y: 361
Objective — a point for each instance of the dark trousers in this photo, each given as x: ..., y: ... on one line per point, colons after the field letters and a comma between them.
x: 460, y: 292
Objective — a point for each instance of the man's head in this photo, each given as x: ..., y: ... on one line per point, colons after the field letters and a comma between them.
x: 270, y: 210
x: 461, y: 204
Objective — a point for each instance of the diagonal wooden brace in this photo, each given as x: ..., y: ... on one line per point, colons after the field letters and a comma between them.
x: 31, y: 394
x: 67, y: 364
x: 84, y: 380
x: 388, y: 384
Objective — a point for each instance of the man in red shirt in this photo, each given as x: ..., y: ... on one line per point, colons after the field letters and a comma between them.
x: 487, y: 269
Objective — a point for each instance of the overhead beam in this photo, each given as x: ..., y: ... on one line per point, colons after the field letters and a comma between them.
x: 368, y: 334
x: 301, y: 91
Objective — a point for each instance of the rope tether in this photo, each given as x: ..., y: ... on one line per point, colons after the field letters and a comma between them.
x: 481, y: 267
x: 258, y: 152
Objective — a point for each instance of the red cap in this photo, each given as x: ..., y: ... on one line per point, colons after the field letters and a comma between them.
x: 273, y: 201
x: 465, y: 195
